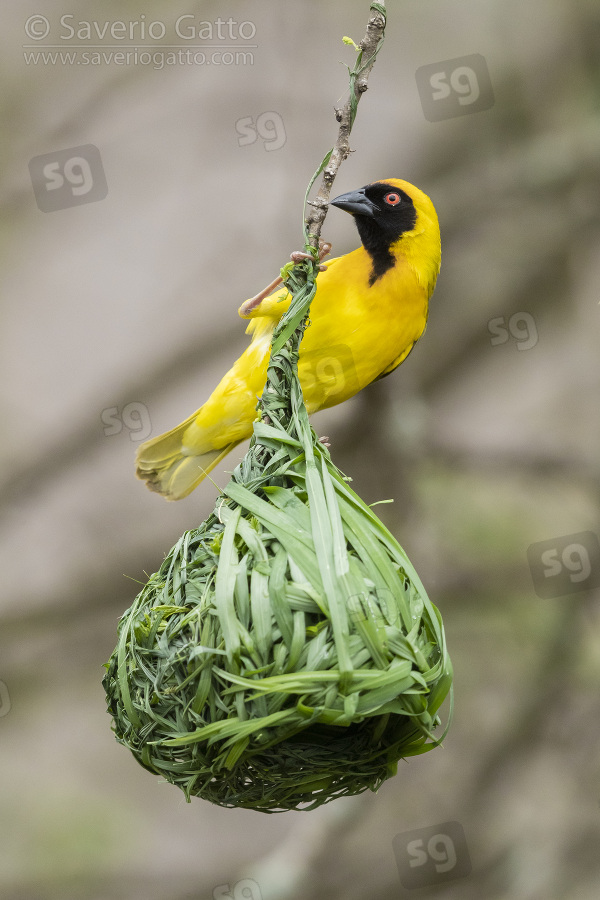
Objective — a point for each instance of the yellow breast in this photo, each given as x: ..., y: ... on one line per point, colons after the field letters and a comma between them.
x: 358, y: 331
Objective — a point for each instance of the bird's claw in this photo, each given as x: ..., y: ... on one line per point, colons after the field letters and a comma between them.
x: 325, y: 441
x: 297, y: 256
x: 324, y: 248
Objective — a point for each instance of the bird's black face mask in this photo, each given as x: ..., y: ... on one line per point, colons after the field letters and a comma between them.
x: 383, y: 213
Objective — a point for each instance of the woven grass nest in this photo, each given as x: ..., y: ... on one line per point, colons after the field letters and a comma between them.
x: 286, y: 652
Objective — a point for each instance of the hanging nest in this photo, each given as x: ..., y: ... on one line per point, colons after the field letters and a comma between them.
x: 286, y: 652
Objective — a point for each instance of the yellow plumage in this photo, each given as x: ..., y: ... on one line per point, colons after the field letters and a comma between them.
x: 361, y: 328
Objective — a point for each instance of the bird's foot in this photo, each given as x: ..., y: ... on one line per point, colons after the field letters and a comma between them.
x: 324, y: 249
x: 325, y: 441
x: 296, y: 256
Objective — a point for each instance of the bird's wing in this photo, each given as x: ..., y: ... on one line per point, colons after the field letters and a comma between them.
x: 395, y: 363
x: 265, y: 314
x: 271, y: 308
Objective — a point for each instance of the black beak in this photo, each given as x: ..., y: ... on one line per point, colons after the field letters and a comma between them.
x: 355, y: 203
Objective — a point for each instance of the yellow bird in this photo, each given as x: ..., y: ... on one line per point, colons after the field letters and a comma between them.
x: 369, y: 310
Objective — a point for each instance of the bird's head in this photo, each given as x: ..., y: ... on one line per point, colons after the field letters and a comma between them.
x: 391, y: 215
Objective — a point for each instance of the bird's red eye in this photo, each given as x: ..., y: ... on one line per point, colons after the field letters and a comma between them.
x: 392, y: 199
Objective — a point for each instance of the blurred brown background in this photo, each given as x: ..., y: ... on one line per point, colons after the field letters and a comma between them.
x: 119, y: 316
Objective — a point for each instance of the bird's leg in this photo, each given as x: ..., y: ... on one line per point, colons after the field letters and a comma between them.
x: 296, y: 256
x: 251, y: 304
x: 325, y: 441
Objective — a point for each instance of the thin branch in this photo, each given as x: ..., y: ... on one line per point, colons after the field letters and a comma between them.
x: 359, y: 77
x: 282, y: 388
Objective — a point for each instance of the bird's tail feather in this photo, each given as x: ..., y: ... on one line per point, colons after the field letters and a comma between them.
x: 161, y: 463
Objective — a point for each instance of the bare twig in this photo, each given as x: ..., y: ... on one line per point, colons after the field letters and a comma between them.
x: 280, y: 394
x: 359, y: 78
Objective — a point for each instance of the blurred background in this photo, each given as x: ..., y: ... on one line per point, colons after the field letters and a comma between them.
x: 144, y: 199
